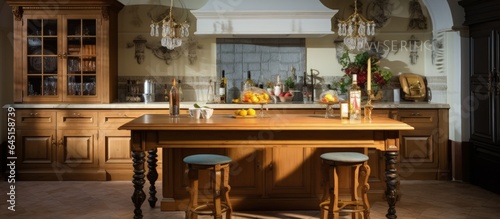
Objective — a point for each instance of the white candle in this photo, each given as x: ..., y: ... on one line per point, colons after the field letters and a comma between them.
x: 369, y: 79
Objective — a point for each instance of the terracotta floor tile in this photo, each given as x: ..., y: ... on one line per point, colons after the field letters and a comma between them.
x: 111, y: 199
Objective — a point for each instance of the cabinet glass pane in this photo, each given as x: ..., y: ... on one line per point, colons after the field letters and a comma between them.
x: 81, y: 61
x: 42, y: 60
x: 49, y: 85
x: 81, y: 85
x: 34, y: 87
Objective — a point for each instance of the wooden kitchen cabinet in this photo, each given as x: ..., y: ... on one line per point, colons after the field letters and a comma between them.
x: 483, y: 20
x: 424, y: 152
x: 58, y: 145
x: 65, y: 51
x: 114, y: 153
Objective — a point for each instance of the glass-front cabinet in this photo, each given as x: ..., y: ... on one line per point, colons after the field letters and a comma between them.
x: 61, y: 60
x: 65, y: 55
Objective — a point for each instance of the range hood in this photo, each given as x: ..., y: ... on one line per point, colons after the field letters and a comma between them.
x: 264, y: 19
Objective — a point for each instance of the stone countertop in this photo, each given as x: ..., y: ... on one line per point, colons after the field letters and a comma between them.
x: 185, y: 105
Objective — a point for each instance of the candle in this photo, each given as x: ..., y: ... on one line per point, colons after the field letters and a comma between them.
x: 369, y: 79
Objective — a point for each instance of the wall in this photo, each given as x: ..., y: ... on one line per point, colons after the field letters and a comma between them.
x: 321, y: 53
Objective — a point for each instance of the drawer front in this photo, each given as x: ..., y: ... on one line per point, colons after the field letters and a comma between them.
x: 115, y: 119
x: 419, y: 118
x: 36, y: 119
x: 76, y: 119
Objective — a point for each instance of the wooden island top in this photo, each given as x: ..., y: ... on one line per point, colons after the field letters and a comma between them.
x: 269, y: 122
x: 151, y: 131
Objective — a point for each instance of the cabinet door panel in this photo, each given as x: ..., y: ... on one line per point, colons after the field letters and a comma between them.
x: 289, y: 171
x: 482, y: 41
x: 36, y: 147
x: 78, y: 148
x: 117, y: 150
x: 246, y: 171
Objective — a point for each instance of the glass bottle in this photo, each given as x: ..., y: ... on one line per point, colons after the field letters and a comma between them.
x: 277, y: 86
x: 354, y: 99
x: 305, y: 91
x: 261, y: 81
x: 223, y: 87
x: 248, y: 82
x: 174, y: 99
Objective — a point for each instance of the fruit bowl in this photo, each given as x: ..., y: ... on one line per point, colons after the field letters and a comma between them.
x: 255, y: 95
x: 286, y: 98
x: 329, y: 97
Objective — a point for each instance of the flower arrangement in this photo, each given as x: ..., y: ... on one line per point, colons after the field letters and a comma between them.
x: 360, y: 67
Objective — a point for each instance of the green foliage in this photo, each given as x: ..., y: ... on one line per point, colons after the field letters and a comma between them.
x: 289, y: 82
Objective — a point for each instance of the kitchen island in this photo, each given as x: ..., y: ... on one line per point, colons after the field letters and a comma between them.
x: 313, y: 134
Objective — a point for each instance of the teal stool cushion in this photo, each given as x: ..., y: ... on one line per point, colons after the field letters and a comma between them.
x: 207, y: 159
x: 345, y: 157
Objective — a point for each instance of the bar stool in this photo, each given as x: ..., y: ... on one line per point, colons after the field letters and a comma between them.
x: 331, y: 206
x: 218, y: 165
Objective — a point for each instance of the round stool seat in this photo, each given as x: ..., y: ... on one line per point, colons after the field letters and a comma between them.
x: 207, y: 159
x: 345, y: 157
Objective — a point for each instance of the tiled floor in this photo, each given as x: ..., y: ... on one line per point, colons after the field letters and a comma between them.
x: 420, y: 199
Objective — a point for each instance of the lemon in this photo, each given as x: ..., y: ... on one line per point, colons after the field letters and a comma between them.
x: 266, y: 96
x: 251, y: 112
x: 243, y: 112
x: 255, y: 99
x: 237, y: 112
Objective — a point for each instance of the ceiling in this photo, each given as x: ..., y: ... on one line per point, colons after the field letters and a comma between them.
x: 189, y: 4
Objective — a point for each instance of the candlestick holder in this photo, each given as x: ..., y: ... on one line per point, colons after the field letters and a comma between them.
x: 368, y: 106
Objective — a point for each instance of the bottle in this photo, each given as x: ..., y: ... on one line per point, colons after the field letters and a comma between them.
x: 179, y: 87
x: 354, y: 99
x: 261, y: 81
x: 248, y: 82
x: 305, y: 92
x: 223, y: 87
x: 277, y: 86
x: 174, y: 99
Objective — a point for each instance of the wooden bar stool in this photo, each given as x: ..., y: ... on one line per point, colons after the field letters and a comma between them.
x: 218, y: 165
x: 331, y: 206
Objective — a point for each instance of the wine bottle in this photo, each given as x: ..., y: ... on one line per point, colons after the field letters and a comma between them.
x: 174, y: 99
x: 354, y: 99
x: 305, y: 91
x: 248, y: 82
x: 223, y: 87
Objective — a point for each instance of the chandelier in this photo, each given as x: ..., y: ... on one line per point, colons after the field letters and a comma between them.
x: 356, y: 28
x: 171, y: 31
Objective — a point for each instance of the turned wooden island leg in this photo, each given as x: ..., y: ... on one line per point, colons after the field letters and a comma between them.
x: 138, y: 196
x: 392, y: 183
x: 152, y: 176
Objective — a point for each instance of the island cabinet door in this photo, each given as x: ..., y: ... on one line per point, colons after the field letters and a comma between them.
x: 288, y: 171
